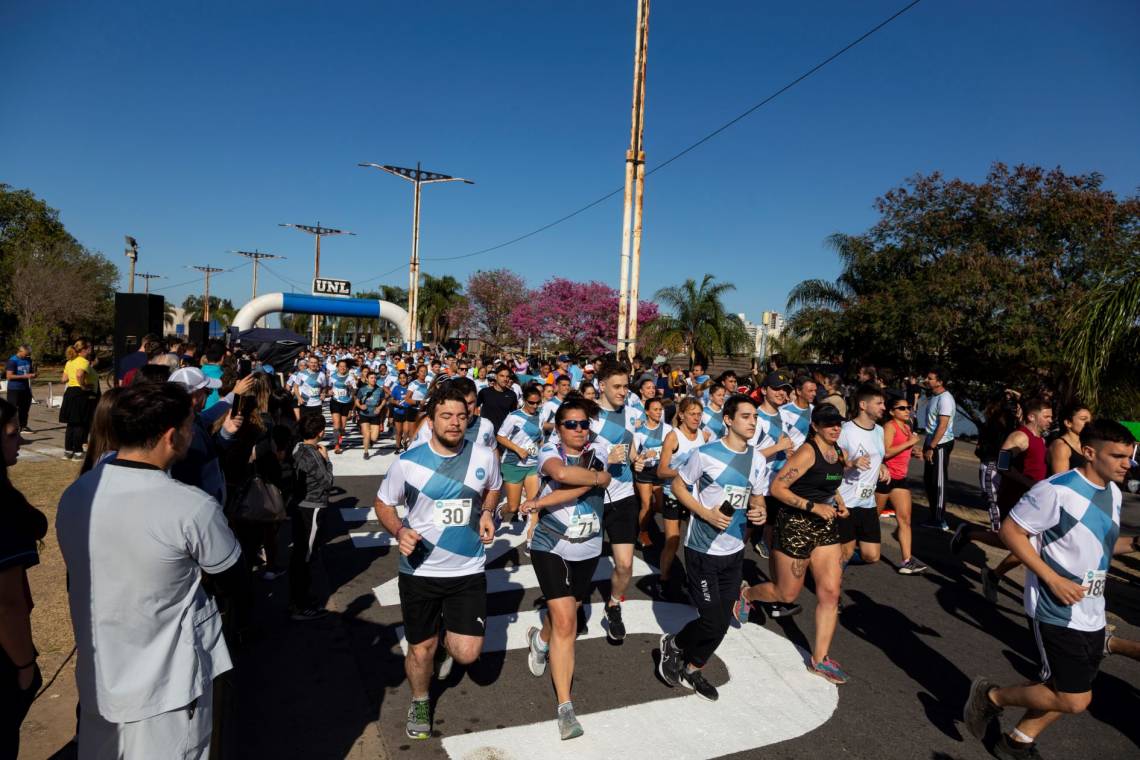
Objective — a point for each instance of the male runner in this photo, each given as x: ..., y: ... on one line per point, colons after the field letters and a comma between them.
x: 614, y: 423
x: 730, y: 478
x: 1066, y: 530
x: 862, y: 442
x: 455, y: 487
x: 796, y: 414
x: 498, y: 400
x: 342, y: 388
x: 546, y: 415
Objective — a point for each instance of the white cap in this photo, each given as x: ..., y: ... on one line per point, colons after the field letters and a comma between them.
x: 194, y: 379
x: 588, y: 368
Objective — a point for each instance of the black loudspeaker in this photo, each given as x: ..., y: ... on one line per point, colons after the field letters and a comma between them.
x: 136, y: 314
x: 199, y: 332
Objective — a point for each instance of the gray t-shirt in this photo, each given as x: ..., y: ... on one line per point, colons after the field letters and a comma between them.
x: 148, y: 637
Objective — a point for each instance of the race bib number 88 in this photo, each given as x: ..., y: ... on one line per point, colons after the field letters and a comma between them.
x: 452, y: 512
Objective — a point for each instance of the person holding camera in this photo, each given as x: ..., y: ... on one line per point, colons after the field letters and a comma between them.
x: 567, y: 543
x: 730, y: 480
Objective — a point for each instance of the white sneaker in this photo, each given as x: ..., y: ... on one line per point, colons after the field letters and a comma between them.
x: 536, y: 658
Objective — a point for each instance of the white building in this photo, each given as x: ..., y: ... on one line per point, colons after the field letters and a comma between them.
x: 770, y: 327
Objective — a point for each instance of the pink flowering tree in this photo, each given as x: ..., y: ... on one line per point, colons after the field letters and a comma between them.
x: 580, y: 317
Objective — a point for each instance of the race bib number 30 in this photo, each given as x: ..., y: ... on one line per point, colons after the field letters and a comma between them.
x: 452, y: 512
x: 1094, y: 582
x: 737, y: 496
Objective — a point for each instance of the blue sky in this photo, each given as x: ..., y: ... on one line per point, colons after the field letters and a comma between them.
x: 198, y: 127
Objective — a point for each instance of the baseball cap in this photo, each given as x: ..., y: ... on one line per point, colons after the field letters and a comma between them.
x: 826, y: 415
x: 588, y: 368
x: 564, y: 358
x: 194, y: 379
x: 779, y: 379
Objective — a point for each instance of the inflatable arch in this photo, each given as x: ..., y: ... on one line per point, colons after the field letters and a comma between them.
x: 325, y: 306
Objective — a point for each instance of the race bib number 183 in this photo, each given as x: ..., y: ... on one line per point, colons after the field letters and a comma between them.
x: 1094, y: 582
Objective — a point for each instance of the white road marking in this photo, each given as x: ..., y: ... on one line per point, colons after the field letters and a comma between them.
x: 513, y: 579
x: 770, y: 697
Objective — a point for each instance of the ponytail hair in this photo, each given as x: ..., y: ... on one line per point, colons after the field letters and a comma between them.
x: 74, y: 349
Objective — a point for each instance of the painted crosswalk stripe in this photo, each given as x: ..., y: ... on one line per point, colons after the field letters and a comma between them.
x: 791, y: 702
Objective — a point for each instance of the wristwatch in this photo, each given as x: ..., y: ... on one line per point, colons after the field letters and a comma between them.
x: 809, y: 506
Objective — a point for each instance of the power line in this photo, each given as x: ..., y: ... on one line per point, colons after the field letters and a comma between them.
x: 198, y: 279
x: 752, y: 109
x: 283, y: 279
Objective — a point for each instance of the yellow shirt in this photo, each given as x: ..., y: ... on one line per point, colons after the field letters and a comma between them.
x: 72, y: 368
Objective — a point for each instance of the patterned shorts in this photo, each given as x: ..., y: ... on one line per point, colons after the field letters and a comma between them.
x: 799, y: 532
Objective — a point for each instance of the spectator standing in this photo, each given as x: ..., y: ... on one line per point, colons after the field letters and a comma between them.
x: 200, y: 467
x: 21, y: 526
x: 78, y: 399
x: 20, y: 373
x: 314, y: 479
x: 940, y: 411
x: 150, y: 345
x: 136, y: 544
x: 212, y: 368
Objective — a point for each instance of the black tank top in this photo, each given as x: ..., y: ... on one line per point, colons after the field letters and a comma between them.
x: 822, y: 479
x: 1076, y: 458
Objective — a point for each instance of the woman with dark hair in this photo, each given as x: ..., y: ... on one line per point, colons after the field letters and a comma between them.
x: 1065, y: 450
x: 21, y: 527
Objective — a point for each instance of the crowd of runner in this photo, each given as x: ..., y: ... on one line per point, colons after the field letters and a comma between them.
x: 800, y: 468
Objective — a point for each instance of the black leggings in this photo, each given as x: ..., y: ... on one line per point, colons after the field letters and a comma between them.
x: 308, y: 534
x: 21, y: 399
x: 935, y: 476
x: 75, y: 436
x: 14, y: 705
x: 714, y: 585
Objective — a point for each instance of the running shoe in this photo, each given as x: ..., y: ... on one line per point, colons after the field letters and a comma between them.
x: 536, y: 658
x: 419, y: 719
x: 366, y: 456
x: 1109, y: 632
x: 936, y: 525
x: 979, y: 712
x: 301, y: 614
x: 889, y: 513
x: 615, y: 631
x: 779, y: 609
x: 990, y: 581
x: 912, y: 567
x: 643, y: 540
x: 669, y: 666
x: 1005, y: 749
x: 443, y: 664
x: 829, y: 669
x: 761, y: 548
x: 741, y: 607
x: 960, y: 538
x: 696, y: 681
x: 568, y: 725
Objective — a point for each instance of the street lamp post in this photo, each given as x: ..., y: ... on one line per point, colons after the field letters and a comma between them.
x: 317, y: 231
x: 256, y: 256
x: 132, y: 253
x: 417, y: 177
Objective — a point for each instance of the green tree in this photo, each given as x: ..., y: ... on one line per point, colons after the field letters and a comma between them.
x: 698, y: 322
x: 221, y: 309
x: 981, y: 278
x: 55, y: 288
x: 438, y: 296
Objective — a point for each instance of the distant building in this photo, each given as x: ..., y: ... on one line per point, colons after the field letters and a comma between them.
x: 770, y: 327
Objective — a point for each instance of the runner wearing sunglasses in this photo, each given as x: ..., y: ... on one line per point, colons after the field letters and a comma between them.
x: 899, y: 439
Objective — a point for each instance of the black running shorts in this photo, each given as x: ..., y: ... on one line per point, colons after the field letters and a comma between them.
x: 461, y: 604
x: 620, y: 520
x: 1070, y: 659
x: 861, y: 524
x: 672, y: 509
x: 340, y: 407
x: 560, y: 578
x: 890, y: 485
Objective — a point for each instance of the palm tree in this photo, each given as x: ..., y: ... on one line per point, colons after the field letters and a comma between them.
x: 1101, y: 338
x: 298, y: 323
x: 821, y: 294
x: 221, y: 309
x: 699, y: 321
x: 437, y: 297
x: 169, y: 315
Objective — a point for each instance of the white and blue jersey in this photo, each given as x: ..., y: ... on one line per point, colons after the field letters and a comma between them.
x: 796, y: 422
x: 685, y: 450
x: 1075, y: 525
x: 388, y: 381
x: 616, y: 428
x: 649, y: 442
x: 769, y: 432
x: 858, y: 486
x: 636, y: 408
x: 712, y: 420
x: 722, y: 475
x: 549, y: 409
x: 418, y: 391
x: 309, y: 385
x: 523, y: 430
x: 342, y: 387
x: 444, y: 497
x: 941, y: 405
x: 572, y: 531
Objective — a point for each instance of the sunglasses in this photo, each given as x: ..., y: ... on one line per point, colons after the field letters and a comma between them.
x: 897, y: 408
x: 576, y: 424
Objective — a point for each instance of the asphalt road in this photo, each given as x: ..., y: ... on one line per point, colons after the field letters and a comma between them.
x: 911, y: 645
